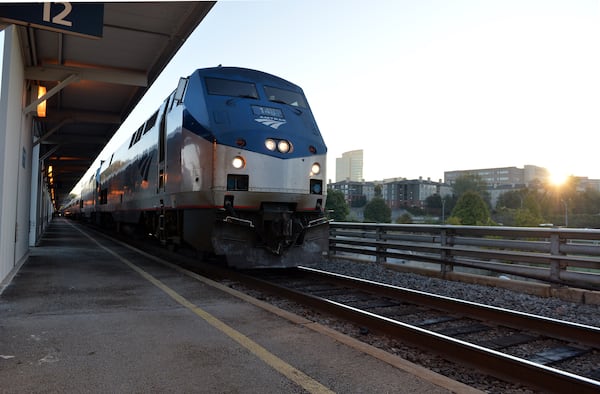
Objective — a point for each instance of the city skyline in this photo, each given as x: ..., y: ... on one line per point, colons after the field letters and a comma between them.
x: 497, y: 175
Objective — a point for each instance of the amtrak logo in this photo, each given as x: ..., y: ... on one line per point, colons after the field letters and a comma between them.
x: 270, y: 121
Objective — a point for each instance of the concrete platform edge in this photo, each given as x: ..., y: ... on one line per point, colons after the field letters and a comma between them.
x: 395, y: 361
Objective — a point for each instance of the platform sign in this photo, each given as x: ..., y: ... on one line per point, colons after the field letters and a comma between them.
x: 82, y: 19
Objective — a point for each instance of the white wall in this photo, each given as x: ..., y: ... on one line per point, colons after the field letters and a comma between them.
x: 15, y: 158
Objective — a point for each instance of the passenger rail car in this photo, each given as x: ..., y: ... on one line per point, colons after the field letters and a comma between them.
x: 232, y: 163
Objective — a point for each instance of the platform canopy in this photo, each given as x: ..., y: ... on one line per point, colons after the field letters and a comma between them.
x: 94, y: 83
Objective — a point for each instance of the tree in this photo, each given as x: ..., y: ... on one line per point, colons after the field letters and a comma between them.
x: 474, y: 183
x: 405, y: 218
x: 587, y: 202
x: 435, y: 203
x: 377, y: 211
x: 358, y: 201
x: 471, y: 210
x: 527, y: 218
x: 511, y: 199
x: 336, y: 205
x: 520, y: 208
x: 378, y: 191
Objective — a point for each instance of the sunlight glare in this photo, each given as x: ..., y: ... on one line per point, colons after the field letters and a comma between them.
x: 558, y: 177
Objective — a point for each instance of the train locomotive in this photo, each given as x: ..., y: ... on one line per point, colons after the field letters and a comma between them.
x: 231, y: 164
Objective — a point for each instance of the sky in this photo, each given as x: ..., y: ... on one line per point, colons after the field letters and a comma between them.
x: 421, y: 86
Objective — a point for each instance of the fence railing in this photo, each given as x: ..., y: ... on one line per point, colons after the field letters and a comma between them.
x: 557, y: 255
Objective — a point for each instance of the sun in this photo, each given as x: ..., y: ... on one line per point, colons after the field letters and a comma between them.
x: 558, y: 177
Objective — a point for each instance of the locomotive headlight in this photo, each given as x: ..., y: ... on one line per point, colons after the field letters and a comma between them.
x: 315, y: 169
x: 270, y: 144
x: 283, y: 146
x: 238, y: 162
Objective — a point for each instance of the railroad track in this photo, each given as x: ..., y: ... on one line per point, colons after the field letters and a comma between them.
x: 539, y: 352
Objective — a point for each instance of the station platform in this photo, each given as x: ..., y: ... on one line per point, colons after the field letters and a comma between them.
x: 86, y: 314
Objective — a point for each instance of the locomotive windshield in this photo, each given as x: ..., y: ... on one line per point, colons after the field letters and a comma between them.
x: 226, y: 87
x: 277, y: 95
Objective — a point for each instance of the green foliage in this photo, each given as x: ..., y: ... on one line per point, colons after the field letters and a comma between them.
x: 511, y: 199
x: 336, y: 205
x: 433, y: 202
x: 453, y: 220
x: 434, y: 205
x: 359, y: 201
x: 378, y: 191
x: 527, y: 218
x: 471, y: 210
x: 521, y: 208
x: 471, y: 183
x: 377, y: 211
x: 586, y: 202
x: 405, y: 218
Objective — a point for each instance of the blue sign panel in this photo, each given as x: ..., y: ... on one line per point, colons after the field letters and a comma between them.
x: 84, y: 19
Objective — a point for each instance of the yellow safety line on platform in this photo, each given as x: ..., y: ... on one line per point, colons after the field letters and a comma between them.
x: 294, y: 374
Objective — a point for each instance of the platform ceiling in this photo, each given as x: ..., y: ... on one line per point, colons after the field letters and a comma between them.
x: 102, y: 79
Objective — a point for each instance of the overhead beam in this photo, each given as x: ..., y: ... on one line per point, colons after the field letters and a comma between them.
x: 54, y: 72
x: 84, y: 117
x: 76, y: 139
x: 65, y: 82
x: 50, y: 132
x: 50, y: 152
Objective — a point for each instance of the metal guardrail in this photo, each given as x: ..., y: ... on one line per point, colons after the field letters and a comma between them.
x: 563, y: 256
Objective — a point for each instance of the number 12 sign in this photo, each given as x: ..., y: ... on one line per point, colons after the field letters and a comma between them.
x: 83, y: 19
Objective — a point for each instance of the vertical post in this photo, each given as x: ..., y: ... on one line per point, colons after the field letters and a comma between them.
x: 380, y: 248
x: 331, y: 249
x: 556, y: 265
x: 446, y: 265
x: 36, y: 221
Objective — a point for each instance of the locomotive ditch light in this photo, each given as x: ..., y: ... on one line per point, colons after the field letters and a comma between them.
x: 315, y: 169
x: 283, y: 146
x: 270, y: 144
x: 238, y: 162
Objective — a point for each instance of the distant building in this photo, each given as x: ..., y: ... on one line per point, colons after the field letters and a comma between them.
x: 502, y: 175
x: 404, y: 193
x: 497, y: 190
x: 349, y: 166
x: 397, y: 192
x: 355, y: 191
x: 584, y: 183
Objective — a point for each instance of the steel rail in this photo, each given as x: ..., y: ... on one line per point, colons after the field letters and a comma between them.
x: 495, y: 363
x: 575, y: 332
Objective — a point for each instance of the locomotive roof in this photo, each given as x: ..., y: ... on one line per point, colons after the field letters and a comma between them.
x: 245, y: 74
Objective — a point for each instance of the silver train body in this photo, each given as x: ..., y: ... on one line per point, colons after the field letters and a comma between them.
x: 228, y: 191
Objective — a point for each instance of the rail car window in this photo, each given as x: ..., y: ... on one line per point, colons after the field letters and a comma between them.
x: 171, y: 101
x: 277, y: 95
x: 138, y: 134
x: 226, y: 87
x: 151, y: 122
x: 132, y: 139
